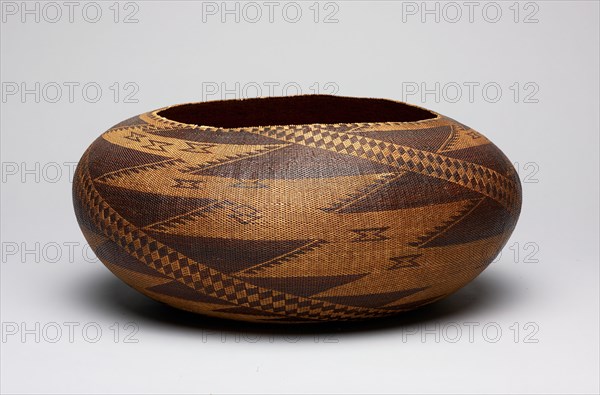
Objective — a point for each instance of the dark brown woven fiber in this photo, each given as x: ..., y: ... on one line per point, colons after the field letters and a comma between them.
x: 296, y: 209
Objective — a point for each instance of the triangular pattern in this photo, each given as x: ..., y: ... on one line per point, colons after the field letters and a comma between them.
x: 164, y: 163
x: 229, y: 255
x: 430, y: 139
x: 303, y: 286
x: 478, y: 220
x: 350, y: 199
x: 109, y: 158
x: 246, y: 311
x: 284, y: 258
x: 155, y: 207
x: 203, y: 168
x: 218, y: 136
x: 412, y: 305
x: 487, y: 155
x: 322, y: 164
x: 404, y: 261
x: 235, y: 211
x: 374, y: 299
x: 409, y: 190
x: 110, y: 252
x: 177, y: 290
x: 463, y: 137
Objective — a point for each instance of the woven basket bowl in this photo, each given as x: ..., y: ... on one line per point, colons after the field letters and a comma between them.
x: 295, y: 209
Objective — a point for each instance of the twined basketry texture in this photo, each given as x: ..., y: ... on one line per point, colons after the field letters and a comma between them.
x: 296, y: 223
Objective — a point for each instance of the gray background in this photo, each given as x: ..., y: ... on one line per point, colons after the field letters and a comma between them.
x: 534, y: 312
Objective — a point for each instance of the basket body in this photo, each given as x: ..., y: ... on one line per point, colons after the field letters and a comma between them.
x: 296, y: 223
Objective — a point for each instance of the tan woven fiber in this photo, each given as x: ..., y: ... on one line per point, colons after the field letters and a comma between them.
x: 296, y: 209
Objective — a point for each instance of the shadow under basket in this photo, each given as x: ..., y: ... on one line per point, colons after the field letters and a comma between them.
x: 295, y: 209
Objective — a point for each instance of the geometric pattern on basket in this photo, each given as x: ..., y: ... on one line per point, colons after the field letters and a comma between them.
x: 364, y: 245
